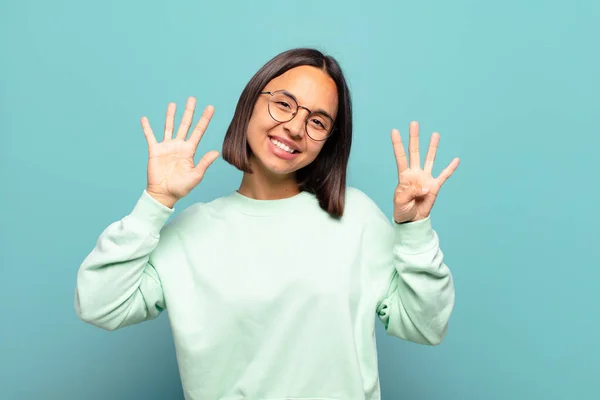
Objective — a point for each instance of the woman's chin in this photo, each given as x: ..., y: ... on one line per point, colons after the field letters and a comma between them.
x: 278, y: 167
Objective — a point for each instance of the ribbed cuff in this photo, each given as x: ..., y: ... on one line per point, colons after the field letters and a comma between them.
x: 150, y: 214
x: 415, y: 237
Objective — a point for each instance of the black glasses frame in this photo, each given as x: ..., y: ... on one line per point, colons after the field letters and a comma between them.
x: 298, y: 106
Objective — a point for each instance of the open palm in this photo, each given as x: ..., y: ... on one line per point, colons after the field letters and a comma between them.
x: 171, y: 170
x: 417, y: 189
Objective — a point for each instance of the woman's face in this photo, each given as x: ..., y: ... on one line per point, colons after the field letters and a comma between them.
x: 284, y: 147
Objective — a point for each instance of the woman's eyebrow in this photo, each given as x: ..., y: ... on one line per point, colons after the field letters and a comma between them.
x: 319, y: 110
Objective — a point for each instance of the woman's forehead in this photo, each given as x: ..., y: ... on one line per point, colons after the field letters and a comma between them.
x: 309, y: 85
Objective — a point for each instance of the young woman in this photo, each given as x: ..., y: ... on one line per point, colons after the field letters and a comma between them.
x: 273, y: 290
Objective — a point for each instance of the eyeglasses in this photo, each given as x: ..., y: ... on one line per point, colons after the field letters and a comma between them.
x: 283, y: 108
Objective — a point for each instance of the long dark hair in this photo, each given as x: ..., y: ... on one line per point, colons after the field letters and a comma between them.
x: 326, y: 175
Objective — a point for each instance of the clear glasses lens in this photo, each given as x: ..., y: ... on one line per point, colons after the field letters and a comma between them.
x: 283, y: 108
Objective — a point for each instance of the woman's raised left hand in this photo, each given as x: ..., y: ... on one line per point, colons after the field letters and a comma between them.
x: 417, y: 189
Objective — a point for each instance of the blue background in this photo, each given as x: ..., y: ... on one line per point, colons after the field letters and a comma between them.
x: 512, y: 87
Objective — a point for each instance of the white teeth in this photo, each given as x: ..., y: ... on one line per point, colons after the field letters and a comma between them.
x: 282, y: 146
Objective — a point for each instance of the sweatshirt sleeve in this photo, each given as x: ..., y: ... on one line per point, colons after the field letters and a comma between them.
x: 420, y: 294
x: 116, y: 284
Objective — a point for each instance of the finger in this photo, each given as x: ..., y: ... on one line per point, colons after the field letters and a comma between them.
x: 430, y: 158
x: 401, y: 161
x: 448, y: 171
x: 150, y: 138
x: 413, y: 145
x: 186, y: 120
x: 202, y: 124
x: 205, y: 162
x: 170, y: 121
x: 418, y: 190
x: 407, y: 193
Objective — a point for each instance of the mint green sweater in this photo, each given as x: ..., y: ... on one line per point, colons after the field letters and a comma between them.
x: 270, y: 299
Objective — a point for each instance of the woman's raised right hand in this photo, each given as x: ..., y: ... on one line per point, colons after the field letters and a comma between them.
x: 171, y: 170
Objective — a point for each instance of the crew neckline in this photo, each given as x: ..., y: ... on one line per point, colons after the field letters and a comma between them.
x: 248, y: 205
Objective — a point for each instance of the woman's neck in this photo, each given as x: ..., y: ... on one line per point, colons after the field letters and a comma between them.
x: 262, y: 185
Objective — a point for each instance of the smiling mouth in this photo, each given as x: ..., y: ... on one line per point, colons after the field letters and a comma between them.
x: 282, y: 146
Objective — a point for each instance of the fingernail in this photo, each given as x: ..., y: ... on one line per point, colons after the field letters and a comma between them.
x: 425, y: 190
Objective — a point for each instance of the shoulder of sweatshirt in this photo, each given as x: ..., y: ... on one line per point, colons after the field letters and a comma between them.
x: 188, y: 218
x: 183, y: 223
x: 360, y: 205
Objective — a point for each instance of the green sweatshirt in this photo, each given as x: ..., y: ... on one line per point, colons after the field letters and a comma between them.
x: 270, y: 299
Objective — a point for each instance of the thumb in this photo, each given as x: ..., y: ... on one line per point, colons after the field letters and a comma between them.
x: 407, y: 193
x: 204, y: 163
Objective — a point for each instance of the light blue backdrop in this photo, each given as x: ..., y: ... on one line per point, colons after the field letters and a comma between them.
x: 512, y: 87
